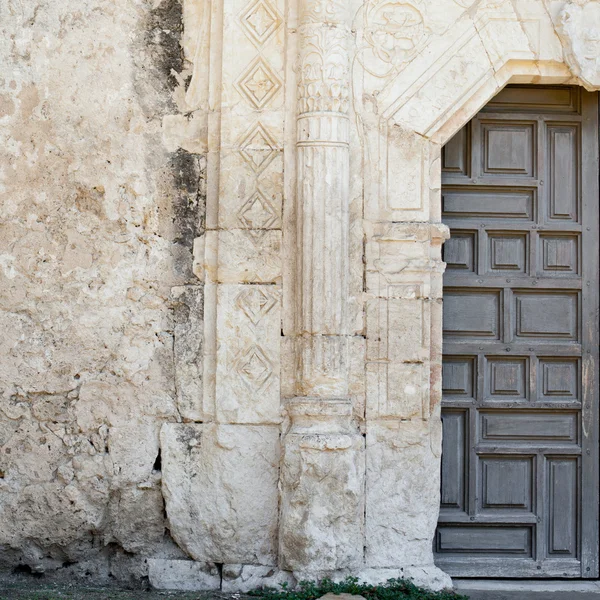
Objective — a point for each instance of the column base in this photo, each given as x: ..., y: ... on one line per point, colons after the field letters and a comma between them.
x: 193, y: 576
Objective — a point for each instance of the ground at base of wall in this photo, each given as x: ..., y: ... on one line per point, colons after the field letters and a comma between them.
x: 51, y: 592
x: 39, y: 591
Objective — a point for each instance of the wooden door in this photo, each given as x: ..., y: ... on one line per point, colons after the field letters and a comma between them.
x: 520, y: 366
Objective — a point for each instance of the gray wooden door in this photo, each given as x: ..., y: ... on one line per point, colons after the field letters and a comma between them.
x: 519, y: 493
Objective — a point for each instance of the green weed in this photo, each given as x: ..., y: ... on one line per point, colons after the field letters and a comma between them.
x: 393, y: 589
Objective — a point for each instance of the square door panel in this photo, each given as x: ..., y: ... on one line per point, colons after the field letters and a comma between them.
x: 558, y: 255
x: 460, y: 251
x: 458, y: 377
x: 507, y: 252
x: 546, y: 315
x: 558, y: 379
x: 472, y: 314
x: 482, y: 541
x: 508, y: 149
x: 507, y: 378
x: 506, y: 483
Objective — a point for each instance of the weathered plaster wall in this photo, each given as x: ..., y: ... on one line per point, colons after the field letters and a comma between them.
x: 97, y: 221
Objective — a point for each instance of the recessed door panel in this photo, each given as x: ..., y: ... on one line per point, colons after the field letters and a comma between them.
x: 520, y: 367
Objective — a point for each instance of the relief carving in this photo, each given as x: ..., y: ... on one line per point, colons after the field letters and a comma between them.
x: 259, y: 83
x: 258, y: 148
x: 260, y: 21
x: 578, y: 28
x: 253, y: 368
x: 393, y: 33
x: 324, y: 11
x: 324, y: 66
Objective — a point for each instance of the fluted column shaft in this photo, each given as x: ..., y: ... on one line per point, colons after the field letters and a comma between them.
x: 323, y: 157
x: 322, y: 474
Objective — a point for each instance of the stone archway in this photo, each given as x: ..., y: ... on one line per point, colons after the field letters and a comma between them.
x: 407, y: 115
x: 323, y: 122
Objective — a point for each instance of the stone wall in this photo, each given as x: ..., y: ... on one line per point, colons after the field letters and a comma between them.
x: 97, y: 222
x: 222, y: 278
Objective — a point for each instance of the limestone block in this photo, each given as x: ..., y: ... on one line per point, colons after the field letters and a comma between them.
x: 536, y: 20
x: 220, y: 489
x: 407, y: 159
x: 402, y: 483
x: 397, y: 390
x: 188, y: 348
x: 183, y: 575
x: 356, y: 377
x: 133, y: 466
x: 260, y: 31
x: 243, y: 578
x: 404, y: 259
x: 321, y: 489
x: 249, y: 256
x: 456, y: 75
x: 503, y: 35
x: 398, y: 35
x: 408, y: 329
x: 427, y: 576
x: 137, y: 521
x: 251, y: 187
x: 248, y: 361
x: 185, y: 131
x: 324, y: 365
x: 251, y: 158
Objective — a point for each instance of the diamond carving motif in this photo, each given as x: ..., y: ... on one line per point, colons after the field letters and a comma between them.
x: 260, y: 21
x: 254, y: 368
x: 255, y: 303
x: 257, y: 213
x: 258, y: 148
x: 259, y: 83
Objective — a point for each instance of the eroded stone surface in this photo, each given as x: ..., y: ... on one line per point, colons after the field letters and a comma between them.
x: 183, y: 575
x: 578, y: 26
x: 322, y: 483
x: 220, y: 488
x: 402, y: 503
x: 96, y: 220
x: 243, y: 578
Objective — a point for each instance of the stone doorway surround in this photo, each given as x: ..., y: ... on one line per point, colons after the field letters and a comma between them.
x: 310, y: 438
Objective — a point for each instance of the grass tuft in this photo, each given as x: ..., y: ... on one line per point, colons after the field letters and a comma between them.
x: 393, y: 589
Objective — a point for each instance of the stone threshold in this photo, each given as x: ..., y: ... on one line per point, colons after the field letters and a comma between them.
x: 527, y: 589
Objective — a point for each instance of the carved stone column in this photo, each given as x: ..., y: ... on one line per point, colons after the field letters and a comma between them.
x: 323, y: 468
x: 323, y: 159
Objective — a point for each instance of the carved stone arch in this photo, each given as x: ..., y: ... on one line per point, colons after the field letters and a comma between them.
x: 406, y: 116
x: 325, y: 129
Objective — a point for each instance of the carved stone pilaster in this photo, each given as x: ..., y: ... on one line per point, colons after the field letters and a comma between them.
x: 322, y: 506
x: 322, y: 510
x: 323, y: 157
